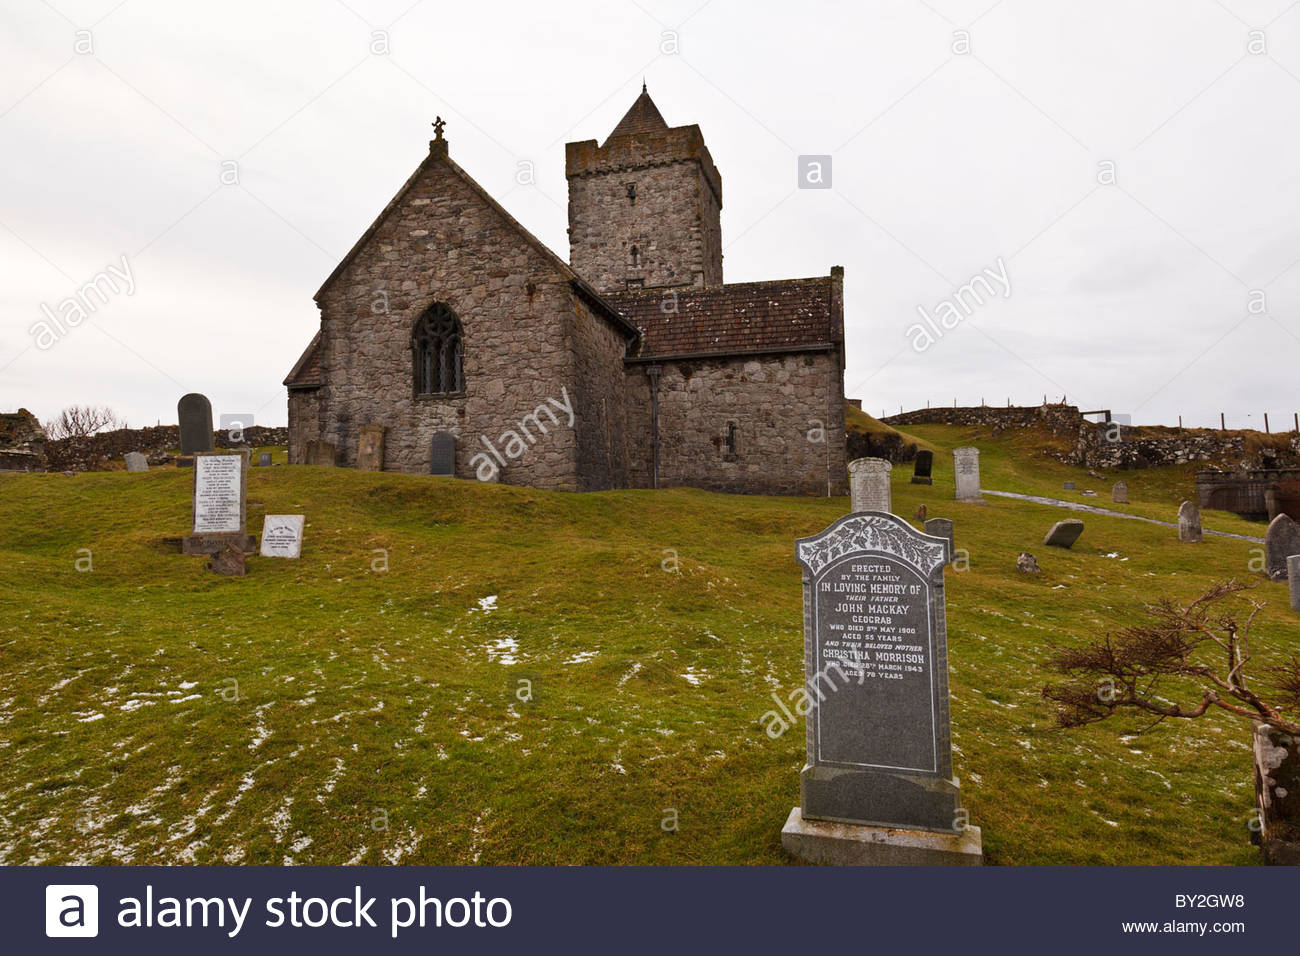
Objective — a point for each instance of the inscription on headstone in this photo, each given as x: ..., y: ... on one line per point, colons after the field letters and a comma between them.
x: 869, y: 485
x: 966, y: 466
x: 878, y: 741
x: 136, y: 461
x: 370, y: 448
x: 194, y: 412
x: 282, y: 536
x: 442, y: 454
x: 922, y: 470
x: 1189, y: 522
x: 220, y: 503
x: 1280, y: 542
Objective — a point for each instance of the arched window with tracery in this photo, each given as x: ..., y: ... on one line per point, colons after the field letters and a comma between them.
x: 438, y: 353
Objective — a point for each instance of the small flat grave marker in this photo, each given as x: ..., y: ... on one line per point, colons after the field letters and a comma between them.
x: 282, y: 536
x: 1064, y: 533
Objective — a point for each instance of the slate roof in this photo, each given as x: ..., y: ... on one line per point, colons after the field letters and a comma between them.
x: 306, y: 371
x: 643, y: 117
x: 741, y: 318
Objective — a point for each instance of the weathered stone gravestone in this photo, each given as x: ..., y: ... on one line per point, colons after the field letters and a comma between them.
x: 136, y: 461
x: 194, y: 412
x: 442, y: 454
x: 229, y: 561
x: 1069, y: 486
x: 923, y: 470
x: 878, y: 785
x: 1026, y: 563
x: 1293, y: 575
x: 920, y: 514
x: 869, y: 485
x: 220, y: 503
x: 282, y: 536
x: 1119, y: 494
x: 1280, y: 542
x: 370, y: 448
x: 966, y: 465
x: 264, y: 459
x: 942, y: 528
x: 1189, y: 522
x: 322, y: 453
x: 1064, y: 533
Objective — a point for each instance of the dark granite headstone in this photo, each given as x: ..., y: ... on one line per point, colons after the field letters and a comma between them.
x: 1069, y: 486
x: 922, y: 471
x: 194, y: 412
x: 942, y: 528
x: 876, y: 673
x: 442, y: 454
x: 263, y: 459
x: 1064, y: 533
x: 1280, y: 542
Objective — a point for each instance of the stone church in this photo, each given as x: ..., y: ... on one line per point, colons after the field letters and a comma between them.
x: 452, y: 341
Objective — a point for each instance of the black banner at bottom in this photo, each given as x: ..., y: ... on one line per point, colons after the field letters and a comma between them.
x: 642, y: 910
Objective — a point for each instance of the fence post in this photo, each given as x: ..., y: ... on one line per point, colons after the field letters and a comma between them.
x: 1266, y: 431
x: 1222, y: 426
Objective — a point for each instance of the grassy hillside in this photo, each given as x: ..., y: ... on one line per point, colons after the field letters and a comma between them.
x: 378, y: 719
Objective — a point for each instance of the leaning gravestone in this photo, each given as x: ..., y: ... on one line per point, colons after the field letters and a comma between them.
x: 1280, y: 542
x: 869, y: 485
x: 194, y: 412
x: 282, y: 536
x: 1119, y: 494
x: 220, y: 503
x: 966, y: 465
x: 942, y: 528
x: 442, y: 454
x: 322, y: 453
x: 136, y: 461
x: 878, y: 785
x: 370, y: 448
x: 1064, y: 533
x: 1189, y: 522
x: 922, y: 471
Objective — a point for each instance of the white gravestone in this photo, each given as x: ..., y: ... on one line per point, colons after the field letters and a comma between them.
x: 966, y: 465
x: 282, y: 536
x: 869, y: 485
x: 220, y: 500
x: 218, y: 494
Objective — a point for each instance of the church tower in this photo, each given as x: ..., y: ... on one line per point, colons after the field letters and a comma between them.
x: 645, y: 207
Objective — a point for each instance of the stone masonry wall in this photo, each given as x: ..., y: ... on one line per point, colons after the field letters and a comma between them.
x: 304, y: 422
x: 674, y: 222
x: 445, y: 243
x: 776, y: 404
x: 599, y: 401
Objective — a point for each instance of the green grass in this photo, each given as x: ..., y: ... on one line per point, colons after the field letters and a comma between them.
x: 377, y: 719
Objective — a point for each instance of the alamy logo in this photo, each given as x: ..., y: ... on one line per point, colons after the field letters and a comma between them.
x: 71, y: 909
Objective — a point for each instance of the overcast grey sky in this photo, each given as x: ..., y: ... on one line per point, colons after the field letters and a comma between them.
x: 965, y: 135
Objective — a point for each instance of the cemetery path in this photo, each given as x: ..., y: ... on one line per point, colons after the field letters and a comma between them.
x: 1093, y: 509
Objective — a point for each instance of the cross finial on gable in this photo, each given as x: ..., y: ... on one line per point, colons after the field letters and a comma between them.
x: 438, y: 124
